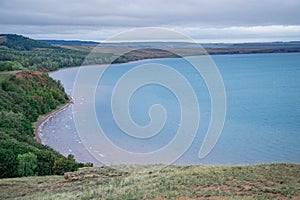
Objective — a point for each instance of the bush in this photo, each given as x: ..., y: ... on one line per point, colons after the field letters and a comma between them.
x: 64, y: 164
x: 68, y: 164
x: 27, y: 164
x: 8, y: 163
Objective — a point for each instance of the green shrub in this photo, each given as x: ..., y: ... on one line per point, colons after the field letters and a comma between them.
x: 27, y: 164
x: 64, y: 164
x: 8, y: 164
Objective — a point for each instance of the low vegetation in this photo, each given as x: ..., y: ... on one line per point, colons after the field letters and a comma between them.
x: 271, y: 181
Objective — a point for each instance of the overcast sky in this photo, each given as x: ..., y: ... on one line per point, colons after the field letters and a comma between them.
x: 204, y: 21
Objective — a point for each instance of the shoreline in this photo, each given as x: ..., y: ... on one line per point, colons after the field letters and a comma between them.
x: 132, y: 61
x: 41, y: 125
x: 43, y: 118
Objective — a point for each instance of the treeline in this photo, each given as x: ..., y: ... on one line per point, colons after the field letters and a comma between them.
x: 23, y: 97
x: 18, y: 42
x: 41, y: 60
x: 18, y: 52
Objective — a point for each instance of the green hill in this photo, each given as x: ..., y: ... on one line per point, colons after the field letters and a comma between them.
x: 19, y: 42
x: 272, y: 181
x: 25, y: 95
x: 18, y: 52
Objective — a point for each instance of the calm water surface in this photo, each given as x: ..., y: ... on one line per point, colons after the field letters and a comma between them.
x: 263, y: 111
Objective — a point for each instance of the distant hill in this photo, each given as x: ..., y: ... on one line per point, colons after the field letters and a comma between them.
x: 73, y: 43
x: 19, y: 42
x: 19, y: 52
x: 183, y: 48
x: 70, y: 42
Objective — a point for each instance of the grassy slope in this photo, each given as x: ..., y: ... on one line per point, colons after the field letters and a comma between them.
x: 272, y: 181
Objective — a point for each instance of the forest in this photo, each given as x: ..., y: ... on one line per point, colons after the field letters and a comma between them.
x: 26, y: 92
x: 18, y: 52
x: 25, y: 95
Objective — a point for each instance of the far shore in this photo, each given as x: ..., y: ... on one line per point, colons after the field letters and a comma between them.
x: 42, y: 118
x: 144, y: 59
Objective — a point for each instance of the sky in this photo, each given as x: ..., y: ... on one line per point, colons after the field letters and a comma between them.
x: 204, y: 21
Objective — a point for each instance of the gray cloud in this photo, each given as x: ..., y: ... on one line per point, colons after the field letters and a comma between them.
x: 98, y: 19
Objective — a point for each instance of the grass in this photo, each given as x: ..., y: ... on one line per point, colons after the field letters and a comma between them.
x: 271, y: 181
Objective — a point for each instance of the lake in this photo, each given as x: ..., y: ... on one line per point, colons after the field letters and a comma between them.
x: 262, y: 123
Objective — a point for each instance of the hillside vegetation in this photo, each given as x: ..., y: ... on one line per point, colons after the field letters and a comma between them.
x: 18, y: 52
x: 25, y: 95
x: 272, y: 181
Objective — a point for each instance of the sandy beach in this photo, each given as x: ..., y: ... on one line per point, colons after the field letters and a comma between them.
x: 43, y: 118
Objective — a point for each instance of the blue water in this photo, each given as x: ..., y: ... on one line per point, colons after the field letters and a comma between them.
x: 262, y: 120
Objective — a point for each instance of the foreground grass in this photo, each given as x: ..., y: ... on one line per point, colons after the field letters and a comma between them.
x: 272, y: 181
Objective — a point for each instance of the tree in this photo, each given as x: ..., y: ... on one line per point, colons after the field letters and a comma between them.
x: 8, y: 163
x: 64, y: 164
x: 27, y: 164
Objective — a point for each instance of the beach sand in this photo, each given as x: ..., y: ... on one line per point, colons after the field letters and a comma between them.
x: 43, y: 118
